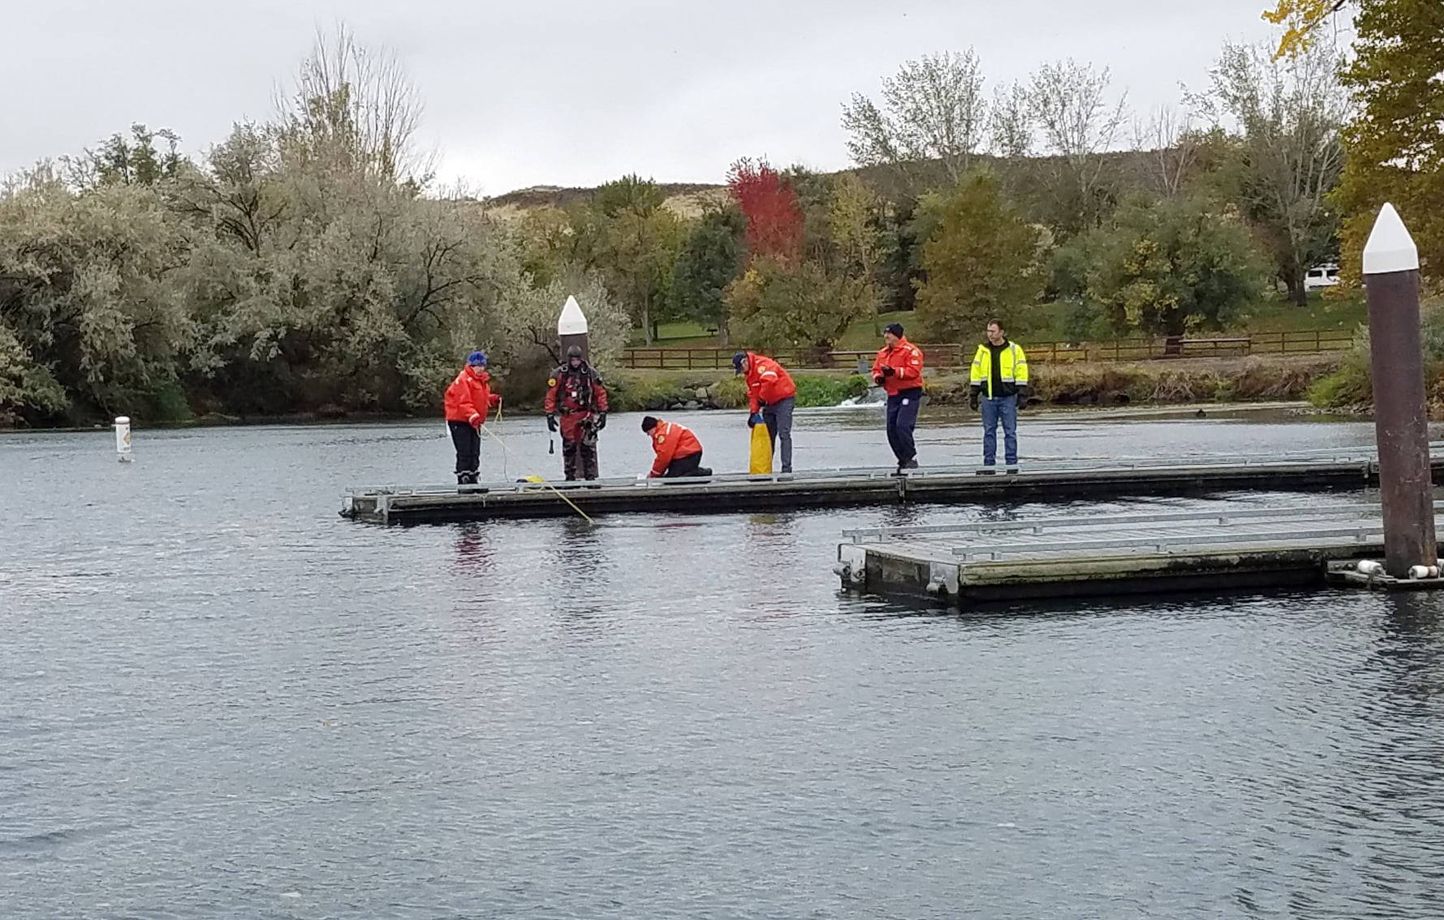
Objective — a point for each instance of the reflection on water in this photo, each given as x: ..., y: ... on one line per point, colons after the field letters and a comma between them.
x: 228, y: 702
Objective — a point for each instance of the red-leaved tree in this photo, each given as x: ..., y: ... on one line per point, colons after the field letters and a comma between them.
x: 769, y: 202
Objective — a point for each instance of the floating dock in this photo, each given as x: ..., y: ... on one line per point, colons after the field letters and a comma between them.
x: 1236, y: 547
x: 737, y: 492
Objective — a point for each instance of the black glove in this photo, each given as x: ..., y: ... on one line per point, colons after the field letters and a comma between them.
x: 877, y: 379
x: 1024, y: 391
x: 551, y: 423
x: 888, y: 371
x: 601, y: 420
x: 974, y: 397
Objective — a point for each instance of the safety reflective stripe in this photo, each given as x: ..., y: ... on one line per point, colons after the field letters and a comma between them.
x: 1013, y: 369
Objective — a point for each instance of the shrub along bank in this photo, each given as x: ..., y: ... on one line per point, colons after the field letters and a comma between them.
x: 1143, y: 383
x: 648, y: 391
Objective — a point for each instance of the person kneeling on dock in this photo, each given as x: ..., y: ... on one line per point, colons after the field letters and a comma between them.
x: 468, y: 400
x: 679, y: 453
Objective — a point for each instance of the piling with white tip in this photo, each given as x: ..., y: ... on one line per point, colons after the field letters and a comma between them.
x: 1401, y: 410
x: 572, y: 329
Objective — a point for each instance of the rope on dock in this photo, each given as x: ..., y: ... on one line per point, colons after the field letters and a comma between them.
x: 536, y: 478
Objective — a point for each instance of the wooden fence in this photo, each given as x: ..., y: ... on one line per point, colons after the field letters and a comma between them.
x: 954, y: 355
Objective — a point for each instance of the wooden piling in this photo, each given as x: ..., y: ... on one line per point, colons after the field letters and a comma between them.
x: 1401, y: 412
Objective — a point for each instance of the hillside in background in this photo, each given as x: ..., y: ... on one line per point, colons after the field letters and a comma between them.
x: 683, y: 198
x: 1133, y: 170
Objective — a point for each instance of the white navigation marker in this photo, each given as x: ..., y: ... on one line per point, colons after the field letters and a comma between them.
x: 1390, y: 247
x: 572, y: 329
x: 122, y: 439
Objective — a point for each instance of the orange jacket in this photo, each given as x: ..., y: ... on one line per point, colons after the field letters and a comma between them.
x: 906, y: 360
x: 671, y: 441
x: 470, y: 396
x: 767, y: 382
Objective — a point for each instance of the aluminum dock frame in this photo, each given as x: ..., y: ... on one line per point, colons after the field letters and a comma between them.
x: 1235, y: 545
x: 738, y: 492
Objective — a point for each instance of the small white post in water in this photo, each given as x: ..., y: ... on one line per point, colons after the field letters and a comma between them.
x: 122, y: 439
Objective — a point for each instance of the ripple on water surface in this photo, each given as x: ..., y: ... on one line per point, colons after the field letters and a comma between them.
x: 217, y: 699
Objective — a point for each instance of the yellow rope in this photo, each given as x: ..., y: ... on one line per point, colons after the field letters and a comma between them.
x: 537, y: 479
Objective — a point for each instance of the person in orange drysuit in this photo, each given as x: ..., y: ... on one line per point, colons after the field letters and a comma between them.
x: 679, y: 453
x: 468, y: 400
x: 575, y: 391
x: 898, y: 369
x: 771, y: 395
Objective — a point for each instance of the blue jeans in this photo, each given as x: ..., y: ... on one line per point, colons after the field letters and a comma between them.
x: 778, y: 418
x: 1004, y: 409
x: 902, y: 418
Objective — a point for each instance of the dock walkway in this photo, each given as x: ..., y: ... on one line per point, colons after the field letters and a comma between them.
x: 738, y: 492
x: 1233, y: 546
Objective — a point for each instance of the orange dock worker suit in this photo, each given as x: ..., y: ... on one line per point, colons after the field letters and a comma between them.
x: 771, y: 396
x: 678, y: 451
x: 899, y: 371
x: 468, y: 399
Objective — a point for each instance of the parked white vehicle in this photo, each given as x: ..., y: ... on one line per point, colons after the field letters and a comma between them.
x: 1321, y: 276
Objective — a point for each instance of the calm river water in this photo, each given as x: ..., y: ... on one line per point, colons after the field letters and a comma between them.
x: 219, y: 699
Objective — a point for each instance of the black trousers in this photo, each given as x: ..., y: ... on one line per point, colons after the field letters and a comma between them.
x: 690, y: 465
x: 580, y: 457
x: 468, y: 451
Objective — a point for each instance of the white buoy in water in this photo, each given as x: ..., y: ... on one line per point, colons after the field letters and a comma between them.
x: 122, y: 439
x: 1370, y: 567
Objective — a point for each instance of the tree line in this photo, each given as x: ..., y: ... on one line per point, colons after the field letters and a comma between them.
x: 309, y: 264
x: 966, y: 203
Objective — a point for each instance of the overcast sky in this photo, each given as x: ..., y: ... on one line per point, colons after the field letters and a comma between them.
x: 571, y: 93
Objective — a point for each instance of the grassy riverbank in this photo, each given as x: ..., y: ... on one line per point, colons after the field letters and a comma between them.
x: 1055, y: 322
x: 1192, y: 380
x: 1146, y: 383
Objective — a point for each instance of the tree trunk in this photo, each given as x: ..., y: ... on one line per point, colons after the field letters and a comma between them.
x: 1173, y: 338
x: 1297, y: 292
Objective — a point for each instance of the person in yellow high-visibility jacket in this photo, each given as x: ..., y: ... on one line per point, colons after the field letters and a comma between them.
x: 999, y: 381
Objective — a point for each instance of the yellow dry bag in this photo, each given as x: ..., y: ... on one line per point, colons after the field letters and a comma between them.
x: 761, y: 459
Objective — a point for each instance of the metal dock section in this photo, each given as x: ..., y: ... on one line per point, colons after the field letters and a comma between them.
x: 1234, y: 546
x: 738, y: 492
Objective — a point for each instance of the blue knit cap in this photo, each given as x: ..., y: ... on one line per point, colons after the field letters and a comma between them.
x: 737, y: 361
x: 476, y: 359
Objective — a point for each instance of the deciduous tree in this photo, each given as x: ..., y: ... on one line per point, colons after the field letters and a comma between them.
x: 981, y: 260
x: 1167, y: 267
x: 789, y: 304
x: 1302, y: 20
x: 932, y: 109
x: 1288, y: 113
x: 1078, y: 124
x: 1395, y: 145
x: 768, y: 201
x: 710, y: 260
